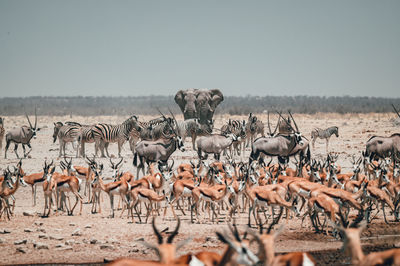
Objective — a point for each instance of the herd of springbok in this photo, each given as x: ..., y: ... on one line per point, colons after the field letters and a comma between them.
x: 218, y: 191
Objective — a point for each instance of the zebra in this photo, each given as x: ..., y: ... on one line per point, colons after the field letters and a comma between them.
x: 85, y: 136
x: 2, y: 132
x: 324, y: 134
x: 162, y: 130
x: 238, y: 128
x: 146, y: 131
x: 147, y: 128
x: 188, y: 127
x: 66, y: 133
x: 253, y: 128
x: 105, y: 133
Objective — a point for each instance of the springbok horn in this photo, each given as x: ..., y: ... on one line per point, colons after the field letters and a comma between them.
x: 172, y: 164
x: 119, y: 162
x: 235, y: 232
x: 174, y: 233
x: 159, y: 236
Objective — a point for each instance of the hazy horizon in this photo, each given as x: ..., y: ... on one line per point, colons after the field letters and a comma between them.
x: 256, y: 48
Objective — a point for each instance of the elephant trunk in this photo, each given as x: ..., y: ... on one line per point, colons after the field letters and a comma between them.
x: 189, y: 113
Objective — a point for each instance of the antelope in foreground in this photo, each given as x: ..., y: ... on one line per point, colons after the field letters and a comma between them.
x: 166, y: 252
x: 267, y: 239
x: 8, y: 189
x: 113, y: 188
x: 352, y: 244
x: 22, y: 135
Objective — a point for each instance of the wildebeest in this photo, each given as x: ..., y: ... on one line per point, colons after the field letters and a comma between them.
x: 21, y: 135
x: 383, y: 146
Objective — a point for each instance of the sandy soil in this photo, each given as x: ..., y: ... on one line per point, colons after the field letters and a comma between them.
x: 100, y: 237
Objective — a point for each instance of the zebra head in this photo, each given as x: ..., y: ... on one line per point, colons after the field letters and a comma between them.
x: 336, y: 132
x: 57, y: 127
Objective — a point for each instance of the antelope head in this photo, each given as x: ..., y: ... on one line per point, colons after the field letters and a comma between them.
x: 166, y: 251
x: 241, y: 246
x: 32, y: 129
x: 116, y: 167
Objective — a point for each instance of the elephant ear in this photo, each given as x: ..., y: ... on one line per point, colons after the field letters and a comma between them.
x: 216, y: 97
x: 179, y: 99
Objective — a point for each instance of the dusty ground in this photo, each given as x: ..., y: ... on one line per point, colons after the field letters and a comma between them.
x: 100, y: 237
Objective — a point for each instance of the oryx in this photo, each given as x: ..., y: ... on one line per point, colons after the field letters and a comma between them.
x: 280, y: 145
x: 157, y: 151
x: 21, y: 135
x: 383, y: 146
x: 214, y: 143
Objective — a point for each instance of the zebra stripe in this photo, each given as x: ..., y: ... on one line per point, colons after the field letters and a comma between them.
x: 236, y: 127
x: 324, y: 133
x: 105, y: 133
x: 187, y: 127
x: 65, y: 134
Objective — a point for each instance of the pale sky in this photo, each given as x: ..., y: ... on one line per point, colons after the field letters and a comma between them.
x: 128, y: 48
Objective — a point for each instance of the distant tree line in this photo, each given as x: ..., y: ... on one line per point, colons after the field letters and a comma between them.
x: 233, y: 105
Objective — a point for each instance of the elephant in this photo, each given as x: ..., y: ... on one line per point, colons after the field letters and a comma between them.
x: 196, y: 103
